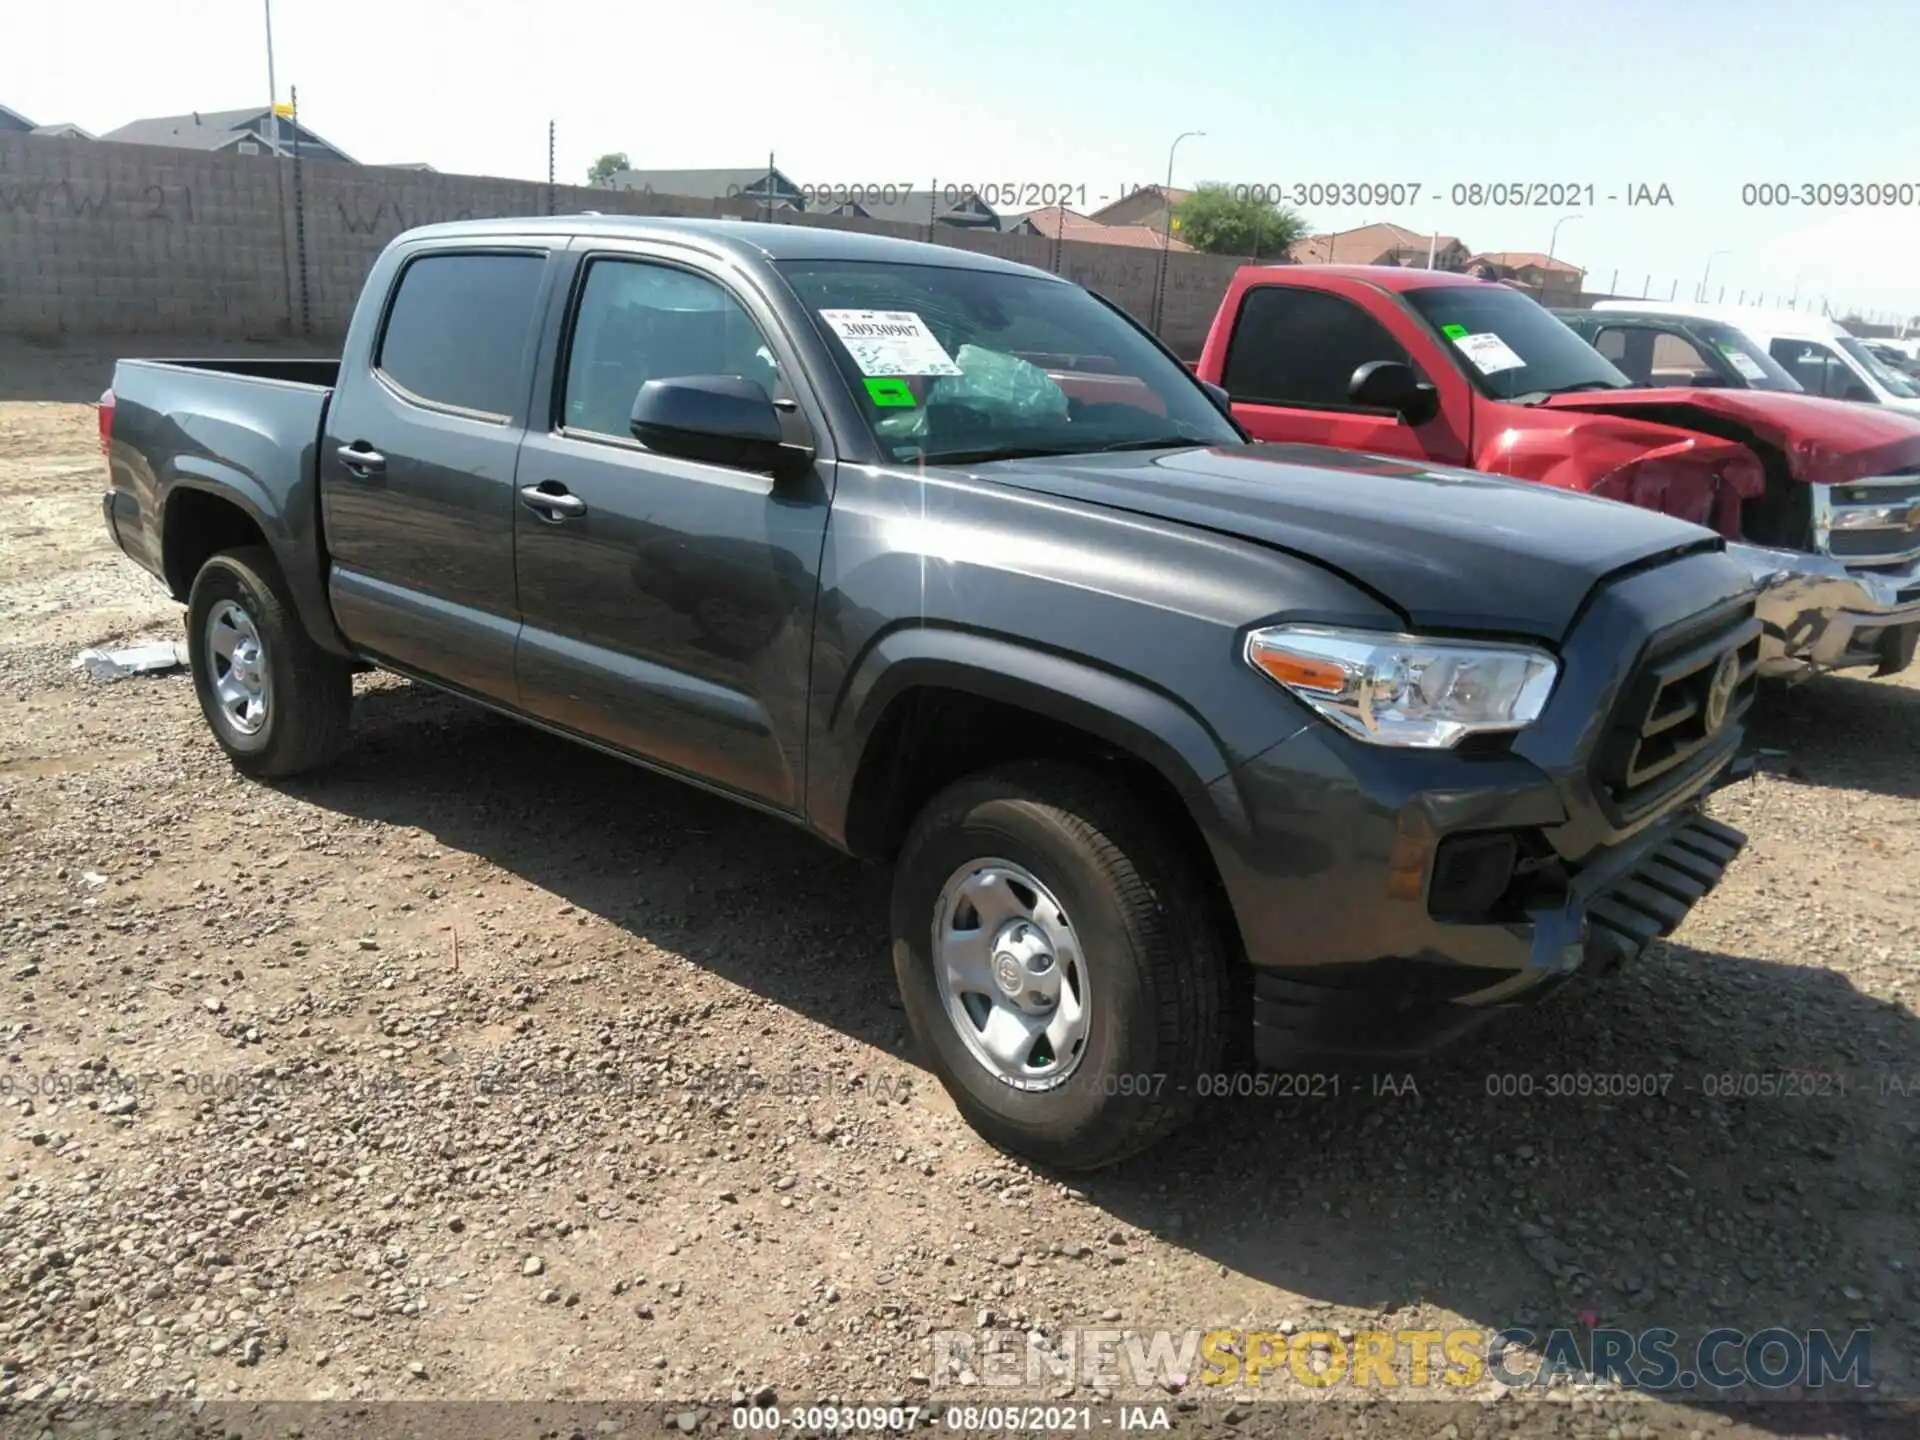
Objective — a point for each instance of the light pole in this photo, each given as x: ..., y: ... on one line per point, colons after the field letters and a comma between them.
x: 273, y: 91
x: 1707, y: 272
x: 1553, y: 239
x: 1166, y: 234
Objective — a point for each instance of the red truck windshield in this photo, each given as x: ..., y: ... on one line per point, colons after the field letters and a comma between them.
x: 1509, y: 346
x: 955, y: 365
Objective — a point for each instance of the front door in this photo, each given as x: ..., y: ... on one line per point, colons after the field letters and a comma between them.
x: 1288, y: 366
x: 667, y: 603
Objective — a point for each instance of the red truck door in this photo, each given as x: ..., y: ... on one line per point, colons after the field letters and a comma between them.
x: 1291, y: 353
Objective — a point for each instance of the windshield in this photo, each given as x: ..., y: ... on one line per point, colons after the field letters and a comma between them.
x: 1895, y: 385
x: 1759, y: 369
x: 1510, y: 346
x: 952, y: 365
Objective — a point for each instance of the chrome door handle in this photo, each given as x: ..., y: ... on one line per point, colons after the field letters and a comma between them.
x: 551, y: 505
x: 362, y: 463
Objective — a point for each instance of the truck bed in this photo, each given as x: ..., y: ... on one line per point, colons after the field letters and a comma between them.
x: 247, y: 431
x: 323, y: 374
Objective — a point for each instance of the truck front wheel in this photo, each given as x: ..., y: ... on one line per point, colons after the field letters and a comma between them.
x: 277, y: 703
x: 1058, y: 962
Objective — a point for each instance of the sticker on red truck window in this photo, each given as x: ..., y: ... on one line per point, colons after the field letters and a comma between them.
x: 1488, y: 352
x: 890, y: 342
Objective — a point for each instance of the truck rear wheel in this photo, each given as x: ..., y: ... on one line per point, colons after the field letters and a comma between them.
x: 277, y: 703
x: 1058, y: 962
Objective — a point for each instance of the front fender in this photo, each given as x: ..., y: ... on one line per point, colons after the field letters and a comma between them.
x: 1137, y: 718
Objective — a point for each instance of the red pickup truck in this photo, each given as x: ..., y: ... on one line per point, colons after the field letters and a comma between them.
x: 1426, y: 364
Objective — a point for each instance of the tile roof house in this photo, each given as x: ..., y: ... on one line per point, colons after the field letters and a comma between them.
x: 1056, y: 222
x: 1148, y: 206
x: 1381, y: 244
x: 1530, y: 270
x: 963, y: 209
x: 759, y: 183
x: 12, y: 122
x: 254, y: 131
x: 65, y: 130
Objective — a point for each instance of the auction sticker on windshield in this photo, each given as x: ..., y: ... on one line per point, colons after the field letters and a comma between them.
x: 1488, y: 352
x: 1743, y: 362
x: 890, y: 342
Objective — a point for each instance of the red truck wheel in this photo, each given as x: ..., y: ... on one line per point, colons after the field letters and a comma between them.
x: 275, y: 701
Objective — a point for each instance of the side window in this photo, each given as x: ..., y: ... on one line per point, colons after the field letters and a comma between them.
x: 1612, y: 343
x: 458, y: 331
x: 1678, y: 361
x: 638, y: 321
x: 1300, y: 347
x: 1818, y: 369
x: 1630, y: 349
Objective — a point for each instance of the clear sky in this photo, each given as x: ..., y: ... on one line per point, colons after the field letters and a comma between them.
x: 1701, y: 96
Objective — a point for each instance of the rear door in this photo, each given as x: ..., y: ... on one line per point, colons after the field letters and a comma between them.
x: 1291, y: 358
x: 668, y: 603
x: 417, y: 465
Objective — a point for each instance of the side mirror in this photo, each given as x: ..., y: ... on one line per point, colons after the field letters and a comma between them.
x: 1222, y: 401
x: 721, y: 419
x: 1393, y: 385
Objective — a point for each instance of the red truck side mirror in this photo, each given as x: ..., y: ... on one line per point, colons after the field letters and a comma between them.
x: 1394, y: 385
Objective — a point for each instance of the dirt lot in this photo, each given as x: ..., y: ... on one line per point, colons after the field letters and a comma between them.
x: 485, y: 1067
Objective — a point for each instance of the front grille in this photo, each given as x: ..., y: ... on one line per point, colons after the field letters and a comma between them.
x: 1874, y: 521
x: 1671, y: 727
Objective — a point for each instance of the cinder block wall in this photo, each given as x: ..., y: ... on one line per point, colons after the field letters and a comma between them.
x: 101, y: 239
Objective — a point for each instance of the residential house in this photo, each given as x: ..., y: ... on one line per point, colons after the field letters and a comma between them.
x: 1551, y: 281
x: 1381, y: 244
x: 65, y: 130
x: 12, y: 122
x: 254, y: 131
x: 759, y: 184
x: 1056, y: 222
x: 1149, y: 205
x: 961, y: 209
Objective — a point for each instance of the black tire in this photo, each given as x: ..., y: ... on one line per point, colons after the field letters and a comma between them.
x: 309, y: 693
x: 1151, y: 944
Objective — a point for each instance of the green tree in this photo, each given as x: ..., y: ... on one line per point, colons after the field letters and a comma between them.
x: 606, y: 167
x: 1226, y: 220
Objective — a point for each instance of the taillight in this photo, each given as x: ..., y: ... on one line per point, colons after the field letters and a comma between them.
x: 106, y: 422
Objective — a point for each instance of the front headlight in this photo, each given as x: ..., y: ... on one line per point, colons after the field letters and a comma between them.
x: 1402, y: 690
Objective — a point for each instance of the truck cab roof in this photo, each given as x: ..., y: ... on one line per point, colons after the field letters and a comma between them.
x: 1387, y: 277
x: 746, y: 240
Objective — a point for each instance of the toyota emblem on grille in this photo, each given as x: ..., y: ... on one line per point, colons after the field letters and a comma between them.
x: 1726, y: 679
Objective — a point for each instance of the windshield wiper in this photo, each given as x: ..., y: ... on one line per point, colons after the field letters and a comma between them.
x: 1160, y: 442
x: 1534, y: 397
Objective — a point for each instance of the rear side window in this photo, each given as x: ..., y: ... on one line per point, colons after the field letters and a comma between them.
x: 459, y: 329
x: 1294, y: 346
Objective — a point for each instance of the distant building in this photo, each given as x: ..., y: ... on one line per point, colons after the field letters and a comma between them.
x: 960, y: 209
x: 1381, y: 244
x: 12, y: 122
x: 1056, y: 222
x: 759, y: 184
x: 1150, y: 206
x: 256, y: 131
x: 1548, y: 280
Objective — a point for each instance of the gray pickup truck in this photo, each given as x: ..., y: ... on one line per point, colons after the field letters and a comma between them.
x: 1188, y: 752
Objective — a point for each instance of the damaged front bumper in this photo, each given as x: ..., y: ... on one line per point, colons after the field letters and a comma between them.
x: 1819, y: 615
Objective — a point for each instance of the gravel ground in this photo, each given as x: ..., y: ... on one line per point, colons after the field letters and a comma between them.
x: 487, y: 1068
